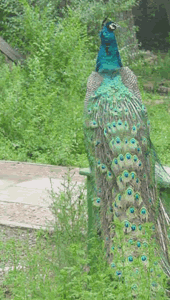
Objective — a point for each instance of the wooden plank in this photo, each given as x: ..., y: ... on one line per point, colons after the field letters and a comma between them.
x: 10, y: 52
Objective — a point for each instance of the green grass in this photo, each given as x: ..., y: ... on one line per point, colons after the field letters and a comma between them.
x: 58, y: 266
x: 160, y: 130
x: 158, y: 114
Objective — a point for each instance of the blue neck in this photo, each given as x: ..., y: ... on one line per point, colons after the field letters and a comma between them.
x: 108, y: 57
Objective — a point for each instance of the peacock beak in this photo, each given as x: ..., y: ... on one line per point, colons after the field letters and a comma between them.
x: 117, y: 25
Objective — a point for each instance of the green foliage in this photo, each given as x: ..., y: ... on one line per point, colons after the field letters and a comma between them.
x: 160, y: 132
x: 38, y: 97
x: 91, y: 14
x: 153, y: 67
x: 58, y: 266
x: 42, y: 100
x: 70, y: 211
x: 156, y: 72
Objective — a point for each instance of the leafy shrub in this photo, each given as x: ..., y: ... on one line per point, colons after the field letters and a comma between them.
x: 37, y: 98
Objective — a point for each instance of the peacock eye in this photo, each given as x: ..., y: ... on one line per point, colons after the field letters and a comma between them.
x: 112, y: 26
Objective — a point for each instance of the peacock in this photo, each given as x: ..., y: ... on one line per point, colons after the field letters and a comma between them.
x: 123, y: 164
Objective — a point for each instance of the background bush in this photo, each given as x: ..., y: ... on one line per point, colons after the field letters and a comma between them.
x: 42, y: 100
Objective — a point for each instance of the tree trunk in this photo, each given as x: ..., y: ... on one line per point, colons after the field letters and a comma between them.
x: 128, y: 32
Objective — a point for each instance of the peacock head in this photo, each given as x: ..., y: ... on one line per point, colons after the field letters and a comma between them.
x: 107, y: 34
x: 108, y: 59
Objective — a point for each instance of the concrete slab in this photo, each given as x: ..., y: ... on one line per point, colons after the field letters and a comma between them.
x: 33, y: 192
x: 23, y: 195
x: 4, y: 184
x: 167, y: 169
x: 25, y: 191
x: 43, y: 183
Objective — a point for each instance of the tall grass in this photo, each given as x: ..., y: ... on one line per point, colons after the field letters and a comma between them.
x: 58, y: 266
x: 42, y: 101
